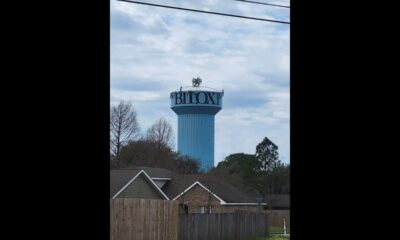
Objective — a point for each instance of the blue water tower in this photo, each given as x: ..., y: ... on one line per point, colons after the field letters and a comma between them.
x: 196, y: 108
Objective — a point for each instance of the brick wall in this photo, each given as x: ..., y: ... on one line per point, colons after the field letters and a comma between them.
x: 198, y: 197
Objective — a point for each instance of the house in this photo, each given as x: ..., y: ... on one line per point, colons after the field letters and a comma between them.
x: 139, y: 183
x: 204, y: 193
x: 196, y: 193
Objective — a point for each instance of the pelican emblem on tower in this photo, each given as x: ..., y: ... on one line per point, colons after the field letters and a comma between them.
x: 196, y: 82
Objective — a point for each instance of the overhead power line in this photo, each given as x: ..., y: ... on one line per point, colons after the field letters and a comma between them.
x: 285, y: 1
x: 268, y: 4
x: 209, y: 12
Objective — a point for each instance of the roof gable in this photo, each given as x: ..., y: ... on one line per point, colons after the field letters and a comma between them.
x: 201, y: 185
x: 119, y: 177
x: 147, y: 177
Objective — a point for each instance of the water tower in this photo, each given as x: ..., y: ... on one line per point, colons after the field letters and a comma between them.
x: 196, y: 108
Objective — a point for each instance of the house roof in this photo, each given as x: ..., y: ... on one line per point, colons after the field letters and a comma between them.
x: 197, y: 183
x: 179, y: 183
x: 153, y: 184
x: 226, y: 192
x: 119, y: 178
x: 278, y: 200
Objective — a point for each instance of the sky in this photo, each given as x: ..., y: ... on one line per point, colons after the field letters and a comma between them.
x: 155, y: 50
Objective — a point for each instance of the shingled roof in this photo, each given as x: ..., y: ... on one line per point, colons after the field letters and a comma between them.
x: 226, y: 192
x: 119, y: 178
x: 278, y: 201
x: 178, y: 183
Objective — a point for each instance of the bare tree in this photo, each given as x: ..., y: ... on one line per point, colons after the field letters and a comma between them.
x: 123, y: 126
x: 161, y: 133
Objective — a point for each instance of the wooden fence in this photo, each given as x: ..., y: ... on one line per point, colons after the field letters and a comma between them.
x: 147, y: 219
x: 222, y: 226
x: 143, y: 219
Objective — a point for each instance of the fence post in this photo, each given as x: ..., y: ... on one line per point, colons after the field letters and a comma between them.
x: 284, y: 227
x: 266, y: 225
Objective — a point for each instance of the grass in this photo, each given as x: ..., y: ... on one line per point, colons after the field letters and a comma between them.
x: 277, y: 238
x: 274, y: 238
x: 273, y: 230
x: 276, y: 230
